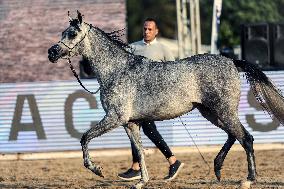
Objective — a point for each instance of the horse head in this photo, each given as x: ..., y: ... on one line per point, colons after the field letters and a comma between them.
x: 71, y: 40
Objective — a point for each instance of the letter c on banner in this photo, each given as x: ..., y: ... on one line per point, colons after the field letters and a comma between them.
x: 69, y: 124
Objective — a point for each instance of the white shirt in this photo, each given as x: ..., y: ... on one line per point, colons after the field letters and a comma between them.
x: 153, y: 50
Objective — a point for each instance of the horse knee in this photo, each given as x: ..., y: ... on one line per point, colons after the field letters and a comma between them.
x: 83, y: 140
x: 250, y: 138
x: 248, y: 141
x: 86, y: 137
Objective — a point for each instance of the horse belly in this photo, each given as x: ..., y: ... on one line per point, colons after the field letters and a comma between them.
x: 170, y: 111
x: 162, y: 109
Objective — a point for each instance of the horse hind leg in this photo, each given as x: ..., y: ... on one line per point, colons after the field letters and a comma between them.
x: 234, y: 128
x: 247, y: 143
x: 219, y: 159
x: 231, y: 124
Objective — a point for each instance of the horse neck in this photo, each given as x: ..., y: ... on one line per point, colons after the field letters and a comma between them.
x: 107, y: 59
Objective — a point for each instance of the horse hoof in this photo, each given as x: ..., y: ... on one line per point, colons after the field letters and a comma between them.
x: 245, y: 184
x: 218, y: 175
x: 98, y: 171
x: 139, y: 185
x: 136, y: 187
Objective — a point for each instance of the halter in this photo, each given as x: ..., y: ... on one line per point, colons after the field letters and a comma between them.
x: 71, y: 48
x: 70, y: 64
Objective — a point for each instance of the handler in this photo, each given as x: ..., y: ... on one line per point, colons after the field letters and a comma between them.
x: 154, y: 50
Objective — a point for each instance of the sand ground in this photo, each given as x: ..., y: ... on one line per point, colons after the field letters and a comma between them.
x: 70, y: 173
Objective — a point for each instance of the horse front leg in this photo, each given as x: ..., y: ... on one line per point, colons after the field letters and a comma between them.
x: 109, y: 122
x: 133, y: 133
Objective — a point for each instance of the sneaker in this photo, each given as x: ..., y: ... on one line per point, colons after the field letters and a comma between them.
x: 130, y: 174
x: 174, y: 170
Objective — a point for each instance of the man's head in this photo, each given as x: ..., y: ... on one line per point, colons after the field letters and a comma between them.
x: 150, y: 30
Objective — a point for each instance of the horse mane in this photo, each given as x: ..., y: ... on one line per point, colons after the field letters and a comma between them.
x: 114, y: 36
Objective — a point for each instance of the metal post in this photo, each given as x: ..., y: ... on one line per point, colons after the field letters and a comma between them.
x: 192, y: 26
x: 195, y: 27
x: 179, y: 29
x: 217, y: 7
x: 186, y: 30
x: 198, y: 30
x: 184, y: 41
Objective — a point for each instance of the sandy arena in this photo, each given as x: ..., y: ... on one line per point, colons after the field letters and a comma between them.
x: 70, y: 173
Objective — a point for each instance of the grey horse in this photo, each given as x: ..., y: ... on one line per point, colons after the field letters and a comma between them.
x: 134, y: 88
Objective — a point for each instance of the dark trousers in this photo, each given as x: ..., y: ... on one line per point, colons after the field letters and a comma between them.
x: 150, y: 130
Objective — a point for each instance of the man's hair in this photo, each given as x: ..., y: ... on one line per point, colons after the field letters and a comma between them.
x: 149, y: 19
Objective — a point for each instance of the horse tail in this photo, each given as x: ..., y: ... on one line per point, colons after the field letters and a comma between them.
x: 263, y: 89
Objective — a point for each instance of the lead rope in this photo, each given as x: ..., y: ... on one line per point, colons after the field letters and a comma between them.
x: 208, y: 172
x: 78, y: 79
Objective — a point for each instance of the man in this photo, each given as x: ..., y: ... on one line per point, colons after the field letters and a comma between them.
x: 152, y: 49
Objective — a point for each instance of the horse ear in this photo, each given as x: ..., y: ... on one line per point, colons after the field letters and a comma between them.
x: 80, y: 17
x: 70, y: 19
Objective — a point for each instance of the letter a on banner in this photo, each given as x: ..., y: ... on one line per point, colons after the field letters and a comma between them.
x: 18, y: 126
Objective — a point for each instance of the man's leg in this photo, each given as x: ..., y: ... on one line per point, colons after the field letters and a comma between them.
x: 135, y: 158
x: 150, y: 130
x: 134, y: 172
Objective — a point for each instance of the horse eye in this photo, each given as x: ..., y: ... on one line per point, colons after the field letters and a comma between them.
x: 72, y: 34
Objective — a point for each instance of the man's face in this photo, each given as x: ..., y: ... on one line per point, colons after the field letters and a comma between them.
x: 150, y: 31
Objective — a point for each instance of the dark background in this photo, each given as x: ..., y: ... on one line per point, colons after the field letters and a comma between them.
x: 234, y: 13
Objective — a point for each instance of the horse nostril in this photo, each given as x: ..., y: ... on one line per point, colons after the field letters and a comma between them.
x: 55, y: 49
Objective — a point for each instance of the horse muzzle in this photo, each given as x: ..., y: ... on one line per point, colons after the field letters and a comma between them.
x: 55, y: 52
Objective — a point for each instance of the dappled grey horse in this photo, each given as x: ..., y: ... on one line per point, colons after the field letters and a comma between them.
x: 134, y: 88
